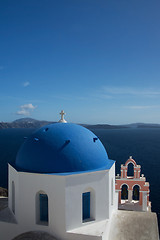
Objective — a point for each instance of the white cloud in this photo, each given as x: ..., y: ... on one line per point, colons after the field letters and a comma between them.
x: 23, y: 112
x: 26, y: 109
x: 26, y: 84
x: 141, y: 107
x: 130, y: 91
x: 28, y: 106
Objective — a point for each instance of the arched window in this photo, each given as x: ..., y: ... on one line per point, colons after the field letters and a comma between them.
x: 88, y: 205
x: 42, y: 208
x: 130, y: 171
x: 13, y: 197
x: 135, y: 195
x: 124, y: 192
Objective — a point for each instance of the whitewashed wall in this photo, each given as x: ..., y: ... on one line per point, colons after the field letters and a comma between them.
x: 113, y: 198
x: 64, y: 200
x: 97, y: 182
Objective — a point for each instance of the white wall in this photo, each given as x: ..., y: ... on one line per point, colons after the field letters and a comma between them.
x: 97, y: 182
x: 13, y: 176
x: 144, y: 201
x: 111, y: 177
x: 27, y: 185
x: 64, y: 199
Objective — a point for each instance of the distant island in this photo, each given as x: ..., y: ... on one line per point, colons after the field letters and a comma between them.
x: 33, y: 123
x: 24, y: 123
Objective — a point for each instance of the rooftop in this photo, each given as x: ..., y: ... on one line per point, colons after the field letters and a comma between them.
x: 124, y: 225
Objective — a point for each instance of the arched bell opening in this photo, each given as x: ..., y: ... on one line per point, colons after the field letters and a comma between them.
x: 135, y: 195
x: 124, y: 192
x: 130, y: 170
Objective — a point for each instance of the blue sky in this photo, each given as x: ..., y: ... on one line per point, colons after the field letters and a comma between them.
x: 99, y: 60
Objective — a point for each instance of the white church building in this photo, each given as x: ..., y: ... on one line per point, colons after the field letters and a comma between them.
x: 63, y: 186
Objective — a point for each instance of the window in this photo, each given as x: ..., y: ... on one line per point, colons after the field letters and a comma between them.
x: 43, y: 200
x: 86, y: 206
x: 42, y: 208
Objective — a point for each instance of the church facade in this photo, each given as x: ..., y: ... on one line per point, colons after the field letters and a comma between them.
x: 63, y: 184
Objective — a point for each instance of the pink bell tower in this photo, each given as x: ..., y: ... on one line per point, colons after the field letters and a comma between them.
x: 133, y: 191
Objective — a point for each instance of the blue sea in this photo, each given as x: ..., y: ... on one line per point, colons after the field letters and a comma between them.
x: 142, y: 144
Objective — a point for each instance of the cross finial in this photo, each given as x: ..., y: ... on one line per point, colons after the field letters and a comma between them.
x: 62, y: 120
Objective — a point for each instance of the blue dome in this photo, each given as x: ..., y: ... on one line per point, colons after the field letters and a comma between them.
x: 62, y: 148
